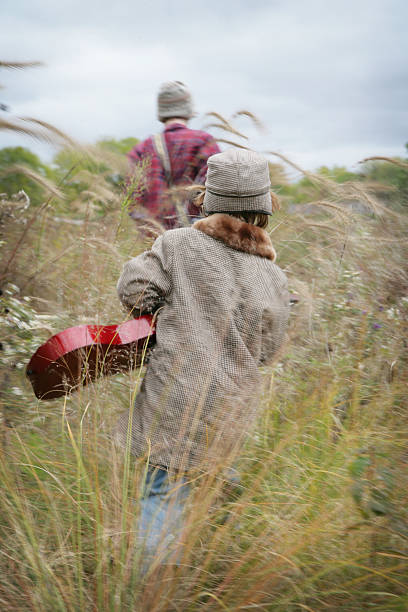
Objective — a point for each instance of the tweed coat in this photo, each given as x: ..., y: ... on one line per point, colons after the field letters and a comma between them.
x: 223, y: 307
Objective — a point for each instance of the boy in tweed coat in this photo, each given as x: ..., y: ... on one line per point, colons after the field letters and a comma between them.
x: 222, y: 306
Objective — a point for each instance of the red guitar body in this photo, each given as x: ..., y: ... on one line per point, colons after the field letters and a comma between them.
x: 82, y: 354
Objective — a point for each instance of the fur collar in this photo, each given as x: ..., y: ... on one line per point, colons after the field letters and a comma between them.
x: 237, y: 234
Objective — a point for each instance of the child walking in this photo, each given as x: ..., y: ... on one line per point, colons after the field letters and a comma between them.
x: 222, y: 306
x: 176, y: 156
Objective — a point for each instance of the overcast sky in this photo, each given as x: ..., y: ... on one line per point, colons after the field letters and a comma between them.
x: 328, y: 78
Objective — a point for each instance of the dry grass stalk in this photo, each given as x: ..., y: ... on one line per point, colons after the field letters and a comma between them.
x: 391, y: 160
x: 20, y: 65
x: 343, y: 213
x: 28, y: 226
x: 48, y: 133
x: 48, y: 185
x: 246, y: 113
x: 278, y: 174
x: 314, y: 178
x: 113, y: 160
x: 23, y: 129
x: 54, y: 133
x: 69, y: 516
x: 226, y: 127
x: 217, y: 116
x: 99, y: 191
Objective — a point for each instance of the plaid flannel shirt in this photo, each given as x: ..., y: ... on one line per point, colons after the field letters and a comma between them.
x: 188, y: 152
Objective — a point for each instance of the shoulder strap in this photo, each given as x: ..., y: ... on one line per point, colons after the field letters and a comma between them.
x: 160, y: 146
x: 161, y: 150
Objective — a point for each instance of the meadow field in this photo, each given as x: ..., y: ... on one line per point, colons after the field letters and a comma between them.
x: 319, y: 519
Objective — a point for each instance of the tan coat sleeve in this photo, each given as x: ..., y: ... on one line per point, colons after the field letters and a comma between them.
x: 146, y: 280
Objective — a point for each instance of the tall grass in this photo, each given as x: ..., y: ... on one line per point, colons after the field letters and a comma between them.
x: 319, y: 520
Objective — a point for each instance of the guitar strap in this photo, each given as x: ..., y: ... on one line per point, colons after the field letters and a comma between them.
x: 160, y: 146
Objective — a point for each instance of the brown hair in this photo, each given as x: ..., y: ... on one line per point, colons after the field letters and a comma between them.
x: 254, y: 218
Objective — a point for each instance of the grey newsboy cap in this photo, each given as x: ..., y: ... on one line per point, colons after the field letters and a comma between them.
x: 174, y: 100
x: 237, y: 181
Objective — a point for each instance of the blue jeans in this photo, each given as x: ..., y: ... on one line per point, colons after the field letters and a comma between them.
x: 161, y: 515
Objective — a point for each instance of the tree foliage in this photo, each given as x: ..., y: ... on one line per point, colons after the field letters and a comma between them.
x: 305, y: 190
x: 391, y: 178
x: 12, y: 182
x: 70, y: 167
x: 121, y: 147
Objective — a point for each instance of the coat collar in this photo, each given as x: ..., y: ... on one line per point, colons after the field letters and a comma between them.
x: 237, y: 234
x: 175, y: 126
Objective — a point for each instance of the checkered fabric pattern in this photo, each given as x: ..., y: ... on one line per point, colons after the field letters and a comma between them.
x: 238, y: 180
x: 188, y: 152
x: 223, y: 312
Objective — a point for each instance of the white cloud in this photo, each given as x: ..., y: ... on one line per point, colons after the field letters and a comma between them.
x: 327, y: 79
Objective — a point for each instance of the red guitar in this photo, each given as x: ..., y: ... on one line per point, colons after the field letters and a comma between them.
x: 81, y: 354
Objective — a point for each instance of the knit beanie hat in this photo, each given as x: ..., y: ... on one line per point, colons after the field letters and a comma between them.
x: 237, y: 181
x: 174, y: 100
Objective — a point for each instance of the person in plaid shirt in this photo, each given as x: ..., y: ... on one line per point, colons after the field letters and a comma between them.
x: 186, y: 152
